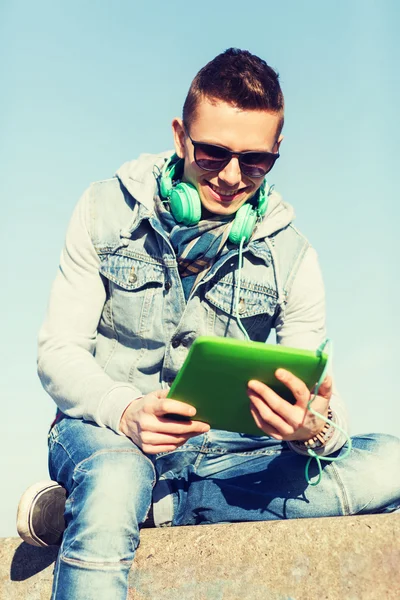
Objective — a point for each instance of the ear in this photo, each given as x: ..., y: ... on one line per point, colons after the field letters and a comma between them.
x: 278, y: 143
x: 178, y: 131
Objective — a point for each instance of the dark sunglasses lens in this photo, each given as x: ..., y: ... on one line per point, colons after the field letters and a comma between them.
x: 210, y: 158
x: 215, y: 158
x: 257, y: 164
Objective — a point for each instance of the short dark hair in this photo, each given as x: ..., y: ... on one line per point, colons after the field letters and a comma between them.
x: 238, y: 78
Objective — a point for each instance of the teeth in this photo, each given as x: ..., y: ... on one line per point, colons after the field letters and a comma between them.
x: 223, y: 192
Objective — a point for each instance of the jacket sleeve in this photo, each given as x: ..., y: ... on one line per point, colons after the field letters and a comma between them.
x: 67, y: 340
x: 301, y: 324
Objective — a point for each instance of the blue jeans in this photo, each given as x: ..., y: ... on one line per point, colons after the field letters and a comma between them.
x: 214, y: 478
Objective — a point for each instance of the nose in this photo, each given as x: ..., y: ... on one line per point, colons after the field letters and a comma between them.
x: 231, y: 174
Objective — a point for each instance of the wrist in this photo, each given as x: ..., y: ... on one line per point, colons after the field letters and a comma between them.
x: 126, y: 418
x: 320, y: 439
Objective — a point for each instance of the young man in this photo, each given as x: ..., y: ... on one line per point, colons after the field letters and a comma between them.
x: 150, y: 263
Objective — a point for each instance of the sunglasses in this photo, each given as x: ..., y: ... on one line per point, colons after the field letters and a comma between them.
x: 210, y: 157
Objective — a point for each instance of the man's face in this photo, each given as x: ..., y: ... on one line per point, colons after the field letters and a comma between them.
x: 216, y: 122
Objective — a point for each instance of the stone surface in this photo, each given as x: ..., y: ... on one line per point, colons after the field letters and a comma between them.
x: 349, y: 558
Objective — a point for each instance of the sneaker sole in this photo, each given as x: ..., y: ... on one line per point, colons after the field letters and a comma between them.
x: 25, y: 514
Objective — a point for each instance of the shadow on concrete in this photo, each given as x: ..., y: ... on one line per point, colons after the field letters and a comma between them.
x: 29, y: 560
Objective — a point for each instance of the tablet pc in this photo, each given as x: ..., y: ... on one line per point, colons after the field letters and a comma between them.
x: 216, y: 371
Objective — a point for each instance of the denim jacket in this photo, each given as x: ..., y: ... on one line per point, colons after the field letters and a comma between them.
x: 118, y: 325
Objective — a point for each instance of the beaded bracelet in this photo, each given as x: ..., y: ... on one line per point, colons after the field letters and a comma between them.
x: 322, y: 438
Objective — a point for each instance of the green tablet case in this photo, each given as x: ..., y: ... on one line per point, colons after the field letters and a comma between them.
x: 216, y: 371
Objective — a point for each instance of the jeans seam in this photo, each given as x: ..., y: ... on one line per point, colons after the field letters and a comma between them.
x: 52, y: 435
x: 343, y: 496
x: 78, y: 466
x: 56, y: 441
x: 184, y: 448
x: 133, y: 546
x: 201, y: 452
x: 217, y: 450
x: 55, y: 577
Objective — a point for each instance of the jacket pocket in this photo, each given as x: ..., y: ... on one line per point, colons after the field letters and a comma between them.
x: 134, y: 298
x: 132, y: 274
x: 256, y: 307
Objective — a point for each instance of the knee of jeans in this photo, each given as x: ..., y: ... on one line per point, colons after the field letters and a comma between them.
x: 374, y: 472
x: 380, y: 449
x: 111, y: 496
x: 387, y: 469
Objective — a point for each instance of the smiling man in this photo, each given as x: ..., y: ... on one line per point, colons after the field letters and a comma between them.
x: 150, y: 263
x: 255, y: 137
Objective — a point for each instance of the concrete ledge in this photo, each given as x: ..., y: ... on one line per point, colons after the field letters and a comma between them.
x: 350, y: 558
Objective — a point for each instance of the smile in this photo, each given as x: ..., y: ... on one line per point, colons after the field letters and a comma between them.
x: 224, y: 194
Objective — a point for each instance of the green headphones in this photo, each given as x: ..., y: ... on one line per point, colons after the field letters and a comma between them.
x: 185, y: 202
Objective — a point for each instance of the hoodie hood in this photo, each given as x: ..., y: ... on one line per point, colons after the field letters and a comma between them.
x: 139, y: 178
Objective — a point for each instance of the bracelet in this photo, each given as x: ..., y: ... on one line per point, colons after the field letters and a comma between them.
x: 323, y: 437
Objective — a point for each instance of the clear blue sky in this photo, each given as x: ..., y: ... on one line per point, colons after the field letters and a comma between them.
x: 86, y: 86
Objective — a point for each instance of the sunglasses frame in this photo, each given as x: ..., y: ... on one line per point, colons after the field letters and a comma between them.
x: 230, y: 155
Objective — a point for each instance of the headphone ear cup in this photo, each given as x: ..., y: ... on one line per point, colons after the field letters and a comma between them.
x: 185, y: 204
x: 243, y: 224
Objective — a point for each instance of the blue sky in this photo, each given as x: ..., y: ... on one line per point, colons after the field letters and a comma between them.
x: 89, y: 85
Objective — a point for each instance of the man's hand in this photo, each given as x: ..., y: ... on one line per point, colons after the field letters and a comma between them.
x: 145, y: 423
x: 282, y: 420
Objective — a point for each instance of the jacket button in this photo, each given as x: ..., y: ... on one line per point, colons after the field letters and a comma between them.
x: 133, y: 278
x: 176, y: 342
x: 168, y: 285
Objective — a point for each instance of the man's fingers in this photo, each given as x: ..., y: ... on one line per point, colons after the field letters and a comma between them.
x: 298, y: 388
x: 268, y: 429
x: 150, y: 449
x: 165, y: 406
x: 155, y: 438
x: 169, y: 425
x: 287, y: 413
x: 267, y: 415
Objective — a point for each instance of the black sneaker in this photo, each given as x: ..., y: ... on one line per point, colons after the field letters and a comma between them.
x: 40, y: 517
